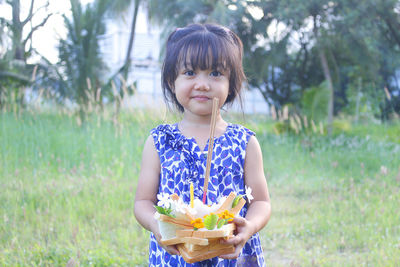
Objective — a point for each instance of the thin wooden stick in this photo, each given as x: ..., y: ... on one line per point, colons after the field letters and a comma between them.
x: 210, y: 146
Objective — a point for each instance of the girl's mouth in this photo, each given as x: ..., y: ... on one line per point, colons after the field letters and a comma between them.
x: 201, y: 98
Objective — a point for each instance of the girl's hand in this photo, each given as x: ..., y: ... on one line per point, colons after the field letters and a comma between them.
x: 244, y: 230
x: 173, y: 250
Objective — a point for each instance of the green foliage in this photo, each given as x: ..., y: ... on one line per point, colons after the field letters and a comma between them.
x: 180, y: 13
x: 283, y: 44
x: 363, y: 100
x: 283, y: 69
x: 314, y: 103
x: 281, y: 127
x: 80, y: 57
x: 16, y: 73
x: 378, y: 132
x: 13, y: 75
x: 165, y: 211
x: 341, y: 126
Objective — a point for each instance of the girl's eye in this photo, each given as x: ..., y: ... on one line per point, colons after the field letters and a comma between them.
x: 215, y: 73
x: 189, y: 73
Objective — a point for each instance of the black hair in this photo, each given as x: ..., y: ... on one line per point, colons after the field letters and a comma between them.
x: 203, y: 46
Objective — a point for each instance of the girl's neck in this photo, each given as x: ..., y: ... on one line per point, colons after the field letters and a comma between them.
x: 199, y: 128
x: 189, y: 120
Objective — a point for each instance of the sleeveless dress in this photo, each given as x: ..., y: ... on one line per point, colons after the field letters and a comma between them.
x: 183, y: 162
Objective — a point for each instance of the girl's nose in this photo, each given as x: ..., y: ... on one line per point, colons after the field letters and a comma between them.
x: 202, y: 84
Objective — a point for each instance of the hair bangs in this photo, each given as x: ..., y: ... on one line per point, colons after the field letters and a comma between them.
x: 205, y: 51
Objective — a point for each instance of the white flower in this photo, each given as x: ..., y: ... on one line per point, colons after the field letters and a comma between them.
x: 164, y: 200
x: 179, y: 206
x: 249, y: 196
x: 190, y: 210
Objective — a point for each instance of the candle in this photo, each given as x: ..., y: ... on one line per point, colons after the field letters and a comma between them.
x: 191, y: 195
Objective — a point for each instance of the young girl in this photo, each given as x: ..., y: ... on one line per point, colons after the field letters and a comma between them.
x: 203, y: 62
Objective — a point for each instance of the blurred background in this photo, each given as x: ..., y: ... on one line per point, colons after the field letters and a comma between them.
x: 80, y: 91
x: 325, y: 57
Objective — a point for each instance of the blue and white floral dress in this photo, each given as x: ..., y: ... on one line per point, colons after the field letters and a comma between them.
x: 183, y: 162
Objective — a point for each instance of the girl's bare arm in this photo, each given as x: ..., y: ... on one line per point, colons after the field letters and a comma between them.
x: 259, y: 210
x: 146, y: 192
x: 147, y: 187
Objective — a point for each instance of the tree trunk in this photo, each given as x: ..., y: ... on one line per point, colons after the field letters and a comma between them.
x: 17, y: 27
x: 127, y: 62
x: 358, y: 99
x: 327, y: 74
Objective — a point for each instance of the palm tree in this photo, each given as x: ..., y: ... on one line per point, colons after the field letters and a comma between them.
x: 80, y: 57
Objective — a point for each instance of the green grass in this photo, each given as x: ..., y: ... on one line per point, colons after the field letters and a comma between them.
x: 67, y: 193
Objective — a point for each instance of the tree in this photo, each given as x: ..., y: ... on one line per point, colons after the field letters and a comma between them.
x: 268, y: 62
x: 374, y: 50
x: 315, y: 19
x: 14, y: 71
x: 18, y: 26
x: 346, y: 44
x: 179, y: 13
x: 80, y: 60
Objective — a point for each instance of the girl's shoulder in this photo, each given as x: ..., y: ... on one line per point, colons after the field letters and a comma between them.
x: 166, y: 128
x: 239, y: 131
x: 240, y: 128
x: 165, y: 133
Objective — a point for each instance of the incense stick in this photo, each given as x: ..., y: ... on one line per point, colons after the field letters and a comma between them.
x: 215, y: 108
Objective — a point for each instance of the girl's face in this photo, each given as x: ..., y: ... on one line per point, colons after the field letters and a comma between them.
x: 196, y: 88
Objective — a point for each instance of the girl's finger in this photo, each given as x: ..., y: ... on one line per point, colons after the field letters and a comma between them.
x: 172, y: 250
x: 232, y: 241
x: 239, y: 221
x: 232, y: 255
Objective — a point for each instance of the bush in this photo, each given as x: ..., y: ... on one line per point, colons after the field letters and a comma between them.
x: 341, y: 126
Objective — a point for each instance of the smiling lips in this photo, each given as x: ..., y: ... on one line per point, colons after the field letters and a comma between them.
x: 201, y: 97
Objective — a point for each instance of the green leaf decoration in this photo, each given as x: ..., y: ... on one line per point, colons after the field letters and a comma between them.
x: 159, y: 209
x: 236, y: 201
x: 210, y: 221
x: 165, y: 211
x: 221, y: 223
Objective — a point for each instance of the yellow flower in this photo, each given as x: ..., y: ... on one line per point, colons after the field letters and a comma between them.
x: 197, y: 223
x: 226, y: 215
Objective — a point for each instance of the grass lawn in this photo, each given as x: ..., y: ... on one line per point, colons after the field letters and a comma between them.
x: 67, y: 193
